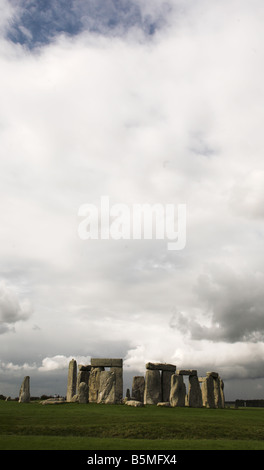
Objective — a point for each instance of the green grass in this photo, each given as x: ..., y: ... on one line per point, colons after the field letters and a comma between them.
x: 102, y: 427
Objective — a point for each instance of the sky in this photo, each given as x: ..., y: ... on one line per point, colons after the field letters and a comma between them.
x: 154, y: 101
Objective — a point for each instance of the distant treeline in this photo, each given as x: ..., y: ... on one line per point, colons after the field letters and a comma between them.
x: 43, y: 397
x: 253, y: 403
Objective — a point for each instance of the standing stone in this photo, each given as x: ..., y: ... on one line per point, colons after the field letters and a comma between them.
x: 72, y: 378
x: 195, y: 394
x: 118, y: 371
x: 166, y: 384
x: 222, y: 393
x: 208, y: 392
x: 24, y: 394
x: 138, y: 387
x: 83, y: 376
x: 152, y: 393
x: 94, y: 383
x: 107, y: 391
x: 83, y: 393
x: 178, y: 391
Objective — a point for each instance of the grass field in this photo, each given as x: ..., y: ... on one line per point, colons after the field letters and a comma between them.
x: 71, y: 426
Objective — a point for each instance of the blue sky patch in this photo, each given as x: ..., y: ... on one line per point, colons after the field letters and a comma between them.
x: 38, y: 22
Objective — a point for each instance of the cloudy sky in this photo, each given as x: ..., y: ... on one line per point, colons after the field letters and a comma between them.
x: 154, y: 101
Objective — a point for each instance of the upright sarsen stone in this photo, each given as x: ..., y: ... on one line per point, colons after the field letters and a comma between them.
x: 72, y: 379
x: 107, y: 385
x: 83, y: 375
x: 222, y: 395
x: 152, y: 393
x: 194, y: 394
x: 118, y: 371
x: 178, y: 391
x: 208, y: 395
x: 83, y: 393
x: 138, y: 387
x: 166, y: 384
x: 24, y: 394
x: 94, y: 383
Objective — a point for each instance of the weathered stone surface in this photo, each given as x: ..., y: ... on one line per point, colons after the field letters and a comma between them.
x: 138, y: 386
x: 75, y: 398
x: 94, y: 383
x: 218, y: 393
x: 135, y: 403
x: 207, y: 389
x: 24, y: 394
x: 72, y: 379
x: 186, y: 372
x: 178, y: 391
x: 194, y: 394
x: 212, y: 374
x: 83, y: 393
x: 107, y: 391
x: 166, y: 404
x: 105, y: 362
x: 83, y: 376
x: 222, y: 393
x: 160, y: 366
x: 84, y: 368
x: 166, y: 384
x: 53, y: 401
x: 152, y: 392
x: 118, y: 371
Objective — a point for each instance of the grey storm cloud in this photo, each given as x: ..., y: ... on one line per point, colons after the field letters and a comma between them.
x: 12, y: 309
x: 231, y: 301
x: 146, y: 102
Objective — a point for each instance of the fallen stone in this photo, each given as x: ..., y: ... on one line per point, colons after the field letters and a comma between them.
x: 135, y: 403
x: 164, y: 403
x: 53, y: 401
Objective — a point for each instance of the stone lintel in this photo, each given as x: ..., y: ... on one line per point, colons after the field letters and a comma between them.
x: 160, y: 366
x: 84, y: 368
x: 98, y: 362
x: 186, y: 372
x: 212, y: 374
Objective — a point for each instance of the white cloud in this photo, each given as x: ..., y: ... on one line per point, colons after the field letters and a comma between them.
x: 176, y: 119
x: 12, y: 309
